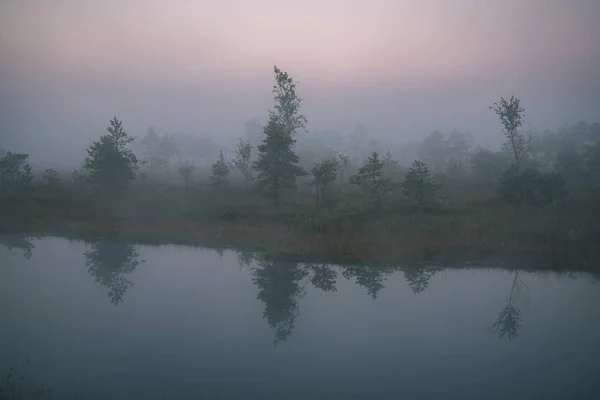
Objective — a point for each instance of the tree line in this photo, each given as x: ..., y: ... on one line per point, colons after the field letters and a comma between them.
x: 530, y: 168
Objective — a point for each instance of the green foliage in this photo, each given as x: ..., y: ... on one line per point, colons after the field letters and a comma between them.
x: 511, y: 116
x: 370, y: 178
x: 220, y: 172
x: 15, y: 173
x: 287, y: 103
x: 489, y: 166
x: 277, y: 163
x: 110, y: 164
x: 419, y: 186
x: 324, y: 175
x: 531, y: 186
x: 243, y: 159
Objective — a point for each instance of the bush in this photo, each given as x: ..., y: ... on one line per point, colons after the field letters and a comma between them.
x: 531, y: 187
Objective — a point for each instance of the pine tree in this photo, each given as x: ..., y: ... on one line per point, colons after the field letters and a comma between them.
x: 110, y: 163
x: 370, y: 177
x: 277, y: 163
x: 419, y: 186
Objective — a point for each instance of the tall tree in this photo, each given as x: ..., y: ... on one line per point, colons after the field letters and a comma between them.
x: 111, y: 165
x: 277, y: 163
x: 287, y: 103
x: 511, y: 116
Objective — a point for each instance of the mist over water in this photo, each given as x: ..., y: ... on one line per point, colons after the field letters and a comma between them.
x: 108, y: 318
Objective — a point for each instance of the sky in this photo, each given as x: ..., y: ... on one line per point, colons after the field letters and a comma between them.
x: 402, y: 67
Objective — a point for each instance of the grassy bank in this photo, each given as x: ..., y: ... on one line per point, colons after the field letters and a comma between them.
x: 474, y: 228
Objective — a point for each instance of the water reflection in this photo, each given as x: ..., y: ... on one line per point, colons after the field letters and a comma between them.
x: 418, y: 277
x: 509, y: 322
x: 281, y: 286
x: 110, y: 261
x: 280, y: 289
x: 18, y: 241
x: 323, y: 277
x: 370, y: 278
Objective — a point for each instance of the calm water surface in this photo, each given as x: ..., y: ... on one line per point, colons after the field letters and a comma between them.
x: 113, y: 320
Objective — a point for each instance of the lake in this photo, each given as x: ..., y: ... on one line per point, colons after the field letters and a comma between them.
x: 110, y: 319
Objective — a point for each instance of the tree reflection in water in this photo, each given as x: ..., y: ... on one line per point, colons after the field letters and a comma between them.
x: 109, y: 261
x: 282, y: 285
x: 18, y: 241
x: 280, y: 289
x: 509, y: 323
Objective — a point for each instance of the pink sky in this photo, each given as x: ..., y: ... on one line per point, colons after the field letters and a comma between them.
x: 333, y: 41
x: 403, y: 67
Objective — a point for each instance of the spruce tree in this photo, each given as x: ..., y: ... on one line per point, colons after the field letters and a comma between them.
x: 277, y: 163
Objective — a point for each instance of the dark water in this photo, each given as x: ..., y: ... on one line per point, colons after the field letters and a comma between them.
x: 112, y: 320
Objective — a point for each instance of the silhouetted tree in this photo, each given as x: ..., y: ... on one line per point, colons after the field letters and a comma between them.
x: 511, y: 116
x: 324, y: 175
x: 287, y: 103
x: 277, y: 163
x: 243, y: 159
x: 419, y: 186
x: 111, y: 165
x: 220, y: 172
x: 370, y: 178
x: 280, y: 289
x: 109, y: 261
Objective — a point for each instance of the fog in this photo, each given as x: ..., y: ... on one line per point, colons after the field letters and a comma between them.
x: 403, y: 70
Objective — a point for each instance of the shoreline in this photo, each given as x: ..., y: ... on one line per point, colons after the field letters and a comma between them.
x: 281, y: 241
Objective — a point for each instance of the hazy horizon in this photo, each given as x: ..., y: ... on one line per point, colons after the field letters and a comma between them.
x: 402, y: 68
